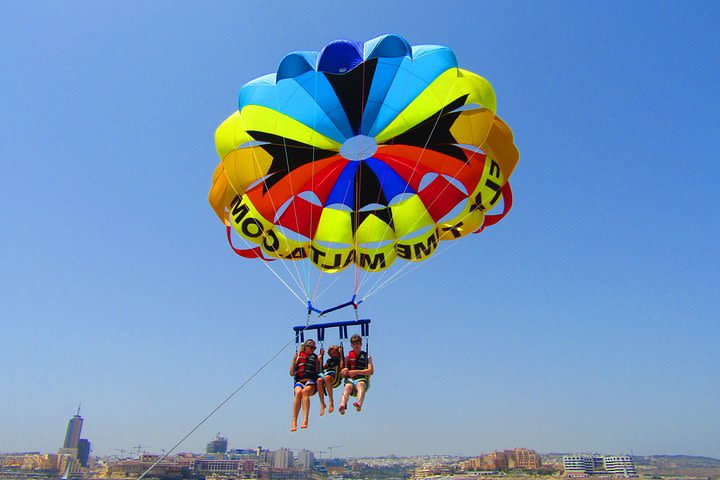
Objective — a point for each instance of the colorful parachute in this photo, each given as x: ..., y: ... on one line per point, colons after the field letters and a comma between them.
x: 362, y: 154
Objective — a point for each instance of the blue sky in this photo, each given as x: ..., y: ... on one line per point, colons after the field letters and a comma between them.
x: 587, y: 320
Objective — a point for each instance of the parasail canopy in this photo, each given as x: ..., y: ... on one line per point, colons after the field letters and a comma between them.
x: 362, y: 154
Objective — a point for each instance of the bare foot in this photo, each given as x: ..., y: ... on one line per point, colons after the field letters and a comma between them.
x: 331, y: 409
x: 357, y: 406
x: 304, y: 424
x: 322, y: 410
x: 293, y: 427
x: 342, y: 409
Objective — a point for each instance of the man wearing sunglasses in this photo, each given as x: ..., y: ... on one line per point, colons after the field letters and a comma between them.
x: 359, y: 367
x: 304, y: 368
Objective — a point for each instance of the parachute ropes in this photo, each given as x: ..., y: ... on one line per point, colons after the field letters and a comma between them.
x: 363, y: 157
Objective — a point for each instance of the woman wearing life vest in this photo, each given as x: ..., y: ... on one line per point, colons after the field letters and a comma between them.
x: 357, y: 371
x: 328, y: 377
x: 304, y: 368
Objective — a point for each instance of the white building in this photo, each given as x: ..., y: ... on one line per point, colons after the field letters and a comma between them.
x: 620, y: 466
x: 580, y: 465
x: 305, y: 459
x: 283, y: 458
x: 584, y: 465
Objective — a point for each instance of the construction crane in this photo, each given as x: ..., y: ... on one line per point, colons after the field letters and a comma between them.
x: 330, y: 448
x: 139, y: 449
x: 123, y: 453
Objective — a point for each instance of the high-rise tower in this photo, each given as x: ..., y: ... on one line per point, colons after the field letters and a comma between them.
x: 75, y: 452
x: 72, y: 437
x: 219, y: 445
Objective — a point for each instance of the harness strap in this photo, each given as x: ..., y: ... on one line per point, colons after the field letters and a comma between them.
x: 364, y: 331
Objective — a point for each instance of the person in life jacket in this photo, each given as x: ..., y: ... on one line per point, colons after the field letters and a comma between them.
x: 304, y: 368
x: 357, y: 371
x: 329, y: 377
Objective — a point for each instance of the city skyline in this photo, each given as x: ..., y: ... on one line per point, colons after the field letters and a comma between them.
x: 258, y: 462
x: 220, y: 444
x: 585, y: 321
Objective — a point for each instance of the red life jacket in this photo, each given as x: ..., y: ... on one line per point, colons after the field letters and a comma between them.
x: 306, y: 366
x: 357, y: 362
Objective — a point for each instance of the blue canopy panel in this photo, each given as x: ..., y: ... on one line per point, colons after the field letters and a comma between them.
x: 318, y: 87
x: 340, y: 56
x: 343, y: 191
x: 385, y: 72
x: 389, y: 46
x: 391, y: 183
x: 412, y: 77
x: 295, y: 64
x: 390, y: 51
x: 288, y: 97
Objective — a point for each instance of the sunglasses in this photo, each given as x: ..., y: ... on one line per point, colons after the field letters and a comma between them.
x: 310, y: 346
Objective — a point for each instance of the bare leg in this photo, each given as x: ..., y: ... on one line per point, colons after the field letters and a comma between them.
x: 321, y: 393
x: 307, y: 392
x: 328, y: 388
x: 346, y: 394
x: 296, y: 408
x: 361, y: 386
